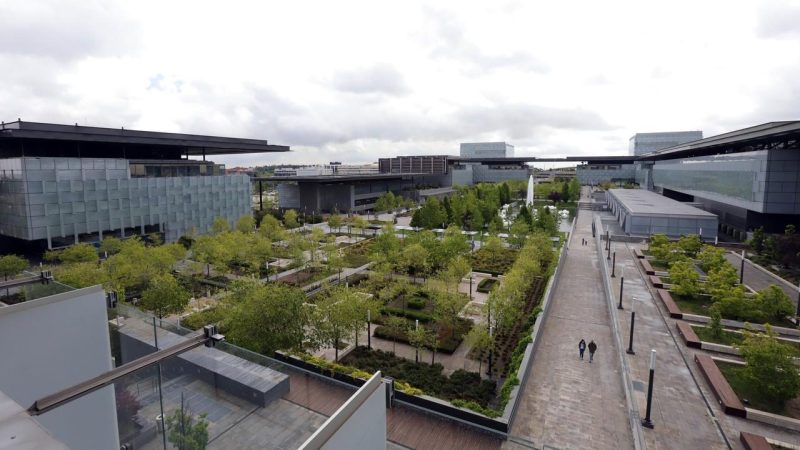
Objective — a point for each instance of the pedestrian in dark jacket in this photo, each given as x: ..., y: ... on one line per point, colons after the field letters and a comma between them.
x: 592, y: 349
x: 581, y: 347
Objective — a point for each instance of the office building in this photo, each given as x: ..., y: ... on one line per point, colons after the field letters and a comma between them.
x: 486, y: 150
x: 642, y: 143
x: 642, y: 213
x: 61, y: 184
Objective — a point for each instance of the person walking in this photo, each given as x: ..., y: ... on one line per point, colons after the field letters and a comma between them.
x: 581, y: 347
x: 592, y: 349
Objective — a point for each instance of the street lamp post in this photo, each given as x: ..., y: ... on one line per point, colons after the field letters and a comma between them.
x: 609, y: 248
x: 470, y: 286
x: 741, y: 272
x: 633, y: 322
x: 369, y: 331
x: 647, y: 422
x: 621, y: 286
x: 613, y: 263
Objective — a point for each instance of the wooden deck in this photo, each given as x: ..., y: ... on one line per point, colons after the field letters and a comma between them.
x: 404, y: 426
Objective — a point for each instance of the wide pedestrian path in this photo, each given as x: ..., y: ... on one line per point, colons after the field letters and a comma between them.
x: 567, y: 402
x: 681, y: 416
x: 759, y: 279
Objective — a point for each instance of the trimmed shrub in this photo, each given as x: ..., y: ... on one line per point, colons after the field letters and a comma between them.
x: 408, y: 313
x: 416, y: 303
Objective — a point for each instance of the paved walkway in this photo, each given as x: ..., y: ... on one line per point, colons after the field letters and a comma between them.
x: 682, y: 419
x: 758, y: 279
x: 566, y: 402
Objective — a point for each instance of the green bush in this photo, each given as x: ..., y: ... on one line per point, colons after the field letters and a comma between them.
x: 408, y: 313
x: 461, y: 385
x: 416, y: 303
x: 198, y: 320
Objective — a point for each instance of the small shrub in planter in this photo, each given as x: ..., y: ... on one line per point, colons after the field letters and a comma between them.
x: 486, y: 285
x: 416, y: 303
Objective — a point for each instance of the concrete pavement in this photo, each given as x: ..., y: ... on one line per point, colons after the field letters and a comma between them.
x: 568, y: 402
x: 759, y: 279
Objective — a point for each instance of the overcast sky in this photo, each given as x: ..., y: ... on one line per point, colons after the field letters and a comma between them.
x: 353, y: 81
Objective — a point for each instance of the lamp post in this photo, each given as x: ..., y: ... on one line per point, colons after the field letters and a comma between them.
x: 609, y: 247
x: 797, y: 313
x: 470, y: 286
x: 621, y: 286
x: 633, y: 322
x: 613, y: 263
x: 741, y: 271
x: 647, y: 422
x: 369, y: 331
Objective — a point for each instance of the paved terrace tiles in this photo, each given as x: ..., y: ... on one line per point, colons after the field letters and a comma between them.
x: 682, y: 419
x: 566, y: 402
x: 677, y: 400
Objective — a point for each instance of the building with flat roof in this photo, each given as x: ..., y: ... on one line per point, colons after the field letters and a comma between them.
x: 641, y: 212
x: 486, y: 150
x: 641, y: 143
x: 61, y: 184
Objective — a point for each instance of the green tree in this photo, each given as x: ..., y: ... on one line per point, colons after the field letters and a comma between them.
x: 272, y: 229
x: 684, y: 279
x: 770, y: 366
x: 12, y: 265
x: 774, y: 303
x: 80, y: 275
x: 290, y: 219
x: 418, y: 338
x: 546, y: 221
x: 359, y: 224
x: 246, y: 224
x: 211, y: 251
x: 265, y: 318
x: 757, y: 241
x: 711, y: 257
x: 518, y: 234
x: 716, y: 322
x: 185, y: 431
x: 525, y: 215
x: 220, y: 225
x: 335, y: 221
x: 478, y: 338
x: 454, y: 243
x: 658, y: 241
x: 397, y: 326
x: 414, y: 260
x: 720, y: 280
x: 446, y: 308
x: 78, y: 253
x: 334, y: 317
x: 110, y: 245
x: 333, y: 258
x: 574, y: 190
x: 386, y: 245
x: 690, y: 244
x: 456, y: 269
x: 165, y: 296
x: 734, y: 304
x: 565, y: 195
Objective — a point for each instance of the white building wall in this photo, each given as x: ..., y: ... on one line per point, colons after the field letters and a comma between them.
x: 55, y: 342
x: 63, y: 197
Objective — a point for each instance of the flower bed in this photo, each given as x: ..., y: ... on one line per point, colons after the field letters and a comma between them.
x: 448, y: 341
x: 494, y: 263
x: 461, y: 385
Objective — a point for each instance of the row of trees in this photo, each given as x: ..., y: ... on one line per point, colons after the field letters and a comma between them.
x: 722, y: 281
x: 783, y: 249
x: 472, y: 208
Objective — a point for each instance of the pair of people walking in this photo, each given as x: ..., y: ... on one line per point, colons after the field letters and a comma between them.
x: 584, y: 241
x: 582, y: 347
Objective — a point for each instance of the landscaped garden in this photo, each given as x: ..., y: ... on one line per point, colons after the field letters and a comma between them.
x: 719, y: 290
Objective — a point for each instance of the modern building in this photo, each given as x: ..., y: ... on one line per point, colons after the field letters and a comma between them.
x: 61, y: 184
x: 642, y: 143
x: 486, y: 150
x: 750, y: 178
x: 642, y: 213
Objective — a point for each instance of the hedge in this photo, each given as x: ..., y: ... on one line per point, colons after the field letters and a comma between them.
x: 408, y: 313
x: 198, y: 320
x: 447, y: 345
x: 486, y: 285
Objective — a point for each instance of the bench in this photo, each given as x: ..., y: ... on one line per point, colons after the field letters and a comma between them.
x: 648, y: 269
x: 655, y: 280
x: 638, y: 253
x: 719, y: 385
x: 687, y: 333
x: 752, y: 441
x: 672, y: 307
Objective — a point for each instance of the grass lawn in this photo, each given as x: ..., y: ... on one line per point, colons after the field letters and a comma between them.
x: 698, y: 304
x: 732, y: 338
x: 744, y: 390
x: 357, y: 255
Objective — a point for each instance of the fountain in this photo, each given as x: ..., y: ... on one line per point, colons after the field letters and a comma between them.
x: 529, y: 198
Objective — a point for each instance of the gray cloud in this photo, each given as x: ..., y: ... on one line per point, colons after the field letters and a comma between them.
x: 779, y: 19
x: 451, y: 43
x: 520, y: 121
x: 66, y: 31
x: 378, y: 79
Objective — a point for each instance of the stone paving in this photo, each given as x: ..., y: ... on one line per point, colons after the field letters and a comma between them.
x: 567, y: 402
x: 678, y: 405
x: 757, y: 279
x: 682, y: 419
